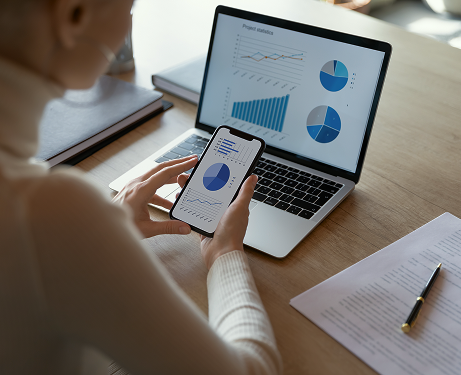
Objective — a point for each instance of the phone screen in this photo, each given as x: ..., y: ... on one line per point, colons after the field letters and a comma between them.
x: 227, y: 161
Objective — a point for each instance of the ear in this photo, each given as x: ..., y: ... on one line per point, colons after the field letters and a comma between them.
x: 70, y: 20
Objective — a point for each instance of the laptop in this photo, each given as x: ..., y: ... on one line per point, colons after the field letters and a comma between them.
x: 310, y: 93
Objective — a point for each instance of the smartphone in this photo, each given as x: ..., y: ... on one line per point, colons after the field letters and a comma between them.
x: 228, y: 159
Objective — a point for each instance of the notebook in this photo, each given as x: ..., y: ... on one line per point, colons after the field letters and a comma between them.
x: 310, y: 93
x: 184, y: 81
x: 83, y: 121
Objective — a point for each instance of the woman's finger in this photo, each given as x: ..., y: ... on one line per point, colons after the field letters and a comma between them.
x: 182, y: 179
x: 159, y: 201
x: 246, y: 191
x: 163, y: 165
x: 150, y: 186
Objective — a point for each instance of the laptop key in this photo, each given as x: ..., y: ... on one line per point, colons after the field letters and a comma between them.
x: 191, y: 139
x: 170, y: 155
x: 312, y: 199
x: 258, y: 171
x: 269, y: 175
x: 276, y: 186
x: 282, y: 205
x: 302, y: 187
x: 291, y: 183
x: 306, y: 214
x: 271, y: 201
x: 286, y: 198
x: 187, y: 146
x: 339, y: 185
x: 270, y: 161
x: 314, y: 191
x: 294, y: 210
x: 325, y: 195
x: 303, y: 179
x: 320, y: 201
x: 298, y: 194
x: 292, y: 175
x: 306, y: 205
x: 270, y: 168
x: 201, y: 143
x: 261, y: 164
x: 314, y: 183
x: 264, y: 182
x: 287, y: 190
x: 198, y: 150
x: 281, y: 171
x: 280, y: 179
x: 162, y: 159
x: 180, y: 151
x: 329, y: 188
x: 264, y: 190
x: 275, y: 194
x: 258, y: 196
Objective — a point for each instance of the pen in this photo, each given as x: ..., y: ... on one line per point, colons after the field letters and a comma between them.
x: 411, y: 320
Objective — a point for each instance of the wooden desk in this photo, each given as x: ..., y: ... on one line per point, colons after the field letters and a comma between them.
x: 411, y: 175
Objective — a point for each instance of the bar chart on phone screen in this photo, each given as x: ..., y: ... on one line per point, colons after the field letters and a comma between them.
x: 232, y: 151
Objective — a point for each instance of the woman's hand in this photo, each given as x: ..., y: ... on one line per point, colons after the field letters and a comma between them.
x: 141, y: 191
x: 231, y: 228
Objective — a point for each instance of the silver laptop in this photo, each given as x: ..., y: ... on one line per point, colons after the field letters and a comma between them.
x: 310, y: 93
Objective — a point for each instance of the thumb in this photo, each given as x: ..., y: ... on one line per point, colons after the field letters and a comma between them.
x: 247, y: 190
x: 155, y: 228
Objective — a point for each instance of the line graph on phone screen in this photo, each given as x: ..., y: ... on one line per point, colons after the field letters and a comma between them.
x: 200, y: 205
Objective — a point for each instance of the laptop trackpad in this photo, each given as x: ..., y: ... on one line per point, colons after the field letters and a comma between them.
x: 274, y: 231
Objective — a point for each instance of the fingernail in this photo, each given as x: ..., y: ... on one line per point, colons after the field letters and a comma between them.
x: 184, y: 230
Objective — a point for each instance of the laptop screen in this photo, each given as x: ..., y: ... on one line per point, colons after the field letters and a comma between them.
x: 305, y: 94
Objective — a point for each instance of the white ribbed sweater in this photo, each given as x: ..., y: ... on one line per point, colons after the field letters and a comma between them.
x: 78, y: 287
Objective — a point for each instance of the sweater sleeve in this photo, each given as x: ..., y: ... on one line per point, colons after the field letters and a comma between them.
x: 237, y: 314
x: 104, y: 289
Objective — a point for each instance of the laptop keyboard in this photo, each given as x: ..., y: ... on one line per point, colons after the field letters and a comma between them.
x: 292, y: 190
x: 286, y: 188
x: 194, y: 145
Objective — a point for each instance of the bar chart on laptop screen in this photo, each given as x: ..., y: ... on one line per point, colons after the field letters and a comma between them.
x: 268, y: 113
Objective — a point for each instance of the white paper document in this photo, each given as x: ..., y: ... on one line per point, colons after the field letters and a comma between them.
x: 364, y: 306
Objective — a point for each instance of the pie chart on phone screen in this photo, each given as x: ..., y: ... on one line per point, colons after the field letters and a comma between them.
x: 216, y: 176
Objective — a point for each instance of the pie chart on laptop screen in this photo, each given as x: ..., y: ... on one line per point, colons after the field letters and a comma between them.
x: 323, y: 124
x: 334, y: 75
x: 216, y: 176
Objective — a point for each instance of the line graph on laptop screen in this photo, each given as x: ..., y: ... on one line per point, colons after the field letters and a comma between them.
x: 272, y: 60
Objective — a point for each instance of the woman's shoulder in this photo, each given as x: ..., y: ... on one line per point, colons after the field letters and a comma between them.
x: 66, y: 193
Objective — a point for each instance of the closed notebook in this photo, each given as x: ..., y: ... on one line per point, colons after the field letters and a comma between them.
x: 83, y: 121
x: 184, y: 81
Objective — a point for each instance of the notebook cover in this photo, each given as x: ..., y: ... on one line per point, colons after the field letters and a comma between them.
x: 84, y: 114
x: 184, y: 80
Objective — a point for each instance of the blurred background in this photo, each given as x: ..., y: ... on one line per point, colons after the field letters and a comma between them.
x: 438, y: 19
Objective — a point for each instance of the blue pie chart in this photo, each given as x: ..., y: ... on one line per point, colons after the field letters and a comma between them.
x: 334, y: 75
x: 323, y: 124
x: 216, y: 176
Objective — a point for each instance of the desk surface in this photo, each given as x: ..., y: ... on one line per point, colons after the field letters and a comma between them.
x: 412, y: 172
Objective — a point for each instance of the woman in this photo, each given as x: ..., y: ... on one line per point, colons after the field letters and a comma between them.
x: 77, y: 286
